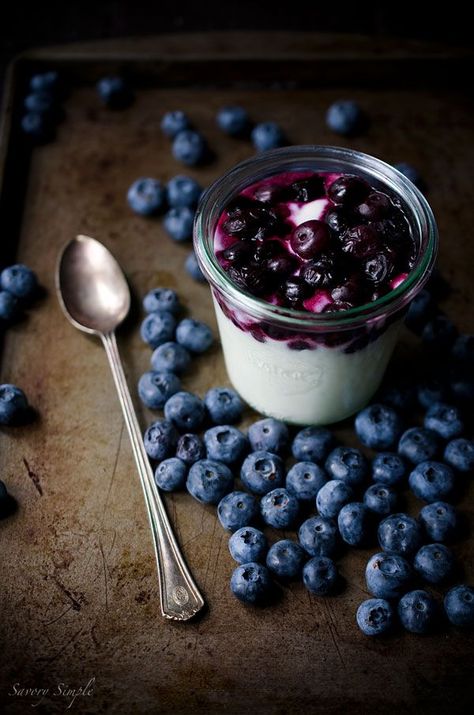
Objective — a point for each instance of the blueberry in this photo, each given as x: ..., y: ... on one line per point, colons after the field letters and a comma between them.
x: 41, y: 102
x: 279, y: 508
x: 154, y: 388
x: 13, y: 404
x: 161, y: 299
x: 189, y: 147
x: 261, y: 472
x: 378, y: 427
x: 380, y: 498
x: 208, y: 481
x: 248, y: 544
x: 374, y: 207
x: 320, y: 575
x: 310, y: 238
x: 434, y: 562
x: 251, y: 583
x: 114, y: 92
x: 185, y: 410
x: 146, y: 196
x: 410, y: 172
x: 459, y: 606
x: 170, y: 475
x: 375, y: 617
x: 431, y: 481
x: 45, y: 82
x: 269, y: 435
x: 354, y: 522
x: 158, y: 328
x: 37, y: 126
x: 183, y: 191
x: 170, y: 357
x: 267, y: 135
x: 348, y: 191
x: 444, y: 419
x: 312, y: 444
x: 225, y: 443
x: 192, y: 267
x: 190, y: 448
x: 400, y: 534
x: 439, y: 334
x: 345, y: 117
x: 174, y: 122
x: 347, y: 464
x: 285, y: 559
x: 20, y: 281
x: 7, y: 502
x: 388, y: 575
x: 459, y: 453
x: 160, y: 439
x: 420, y: 312
x: 432, y: 390
x: 418, y: 445
x: 233, y: 120
x: 304, y: 480
x: 318, y: 536
x: 400, y: 396
x: 440, y: 521
x: 417, y: 611
x: 463, y: 350
x: 9, y: 306
x: 461, y: 385
x: 388, y: 468
x: 178, y: 223
x: 236, y: 510
x: 332, y: 496
x: 223, y: 405
x: 194, y: 335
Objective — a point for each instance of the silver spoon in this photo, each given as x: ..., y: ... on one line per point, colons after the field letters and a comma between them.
x: 95, y: 298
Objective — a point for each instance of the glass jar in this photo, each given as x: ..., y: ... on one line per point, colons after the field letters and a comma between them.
x: 302, y: 367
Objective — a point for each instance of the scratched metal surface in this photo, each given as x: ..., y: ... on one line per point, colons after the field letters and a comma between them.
x: 79, y: 597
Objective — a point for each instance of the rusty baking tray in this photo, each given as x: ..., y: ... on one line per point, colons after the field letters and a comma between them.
x: 79, y: 597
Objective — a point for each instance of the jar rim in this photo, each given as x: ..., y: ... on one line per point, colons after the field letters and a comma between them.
x: 329, y: 159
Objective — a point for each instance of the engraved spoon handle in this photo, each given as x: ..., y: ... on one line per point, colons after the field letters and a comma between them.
x: 179, y: 595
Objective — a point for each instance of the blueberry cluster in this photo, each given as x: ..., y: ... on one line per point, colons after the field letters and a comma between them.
x: 42, y: 106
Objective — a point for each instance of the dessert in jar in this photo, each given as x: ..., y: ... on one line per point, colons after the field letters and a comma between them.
x: 312, y: 255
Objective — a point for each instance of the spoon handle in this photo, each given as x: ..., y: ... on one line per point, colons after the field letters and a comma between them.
x: 179, y: 595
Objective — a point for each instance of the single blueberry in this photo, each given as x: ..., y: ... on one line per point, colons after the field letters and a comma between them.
x: 160, y: 439
x: 189, y: 147
x: 418, y: 445
x: 354, y: 521
x: 158, y: 328
x: 461, y: 385
x: 114, y: 92
x: 251, y: 583
x: 332, y: 496
x: 439, y: 334
x: 345, y: 117
x: 320, y: 575
x: 434, y: 562
x: 7, y: 502
x: 380, y: 498
x: 305, y: 479
x: 318, y: 536
x: 174, y: 122
x: 410, y: 172
x: 45, y: 82
x: 285, y: 559
x: 312, y: 444
x: 208, y: 481
x: 459, y: 453
x: 160, y: 299
x: 194, y: 335
x: 445, y: 420
x: 9, y: 306
x: 170, y: 357
x: 400, y: 534
x: 170, y: 474
x: 388, y: 468
x: 420, y: 312
x: 20, y: 281
x: 417, y: 611
x: 41, y: 102
x: 431, y: 390
x: 185, y: 410
x: 38, y: 126
x: 178, y: 223
x: 146, y: 196
x: 399, y: 395
x: 225, y: 443
x: 347, y: 464
x: 459, y: 606
x: 375, y: 617
x: 154, y: 388
x: 388, y: 575
x: 183, y: 191
x: 190, y: 448
x: 440, y: 521
x: 267, y: 135
x: 261, y: 472
x: 431, y: 481
x: 279, y: 508
x: 223, y: 405
x: 192, y: 267
x: 13, y: 404
x: 378, y: 427
x: 233, y: 120
x: 236, y: 510
x: 248, y: 544
x: 269, y: 435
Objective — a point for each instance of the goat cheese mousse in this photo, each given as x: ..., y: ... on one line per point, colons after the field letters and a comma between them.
x: 313, y: 255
